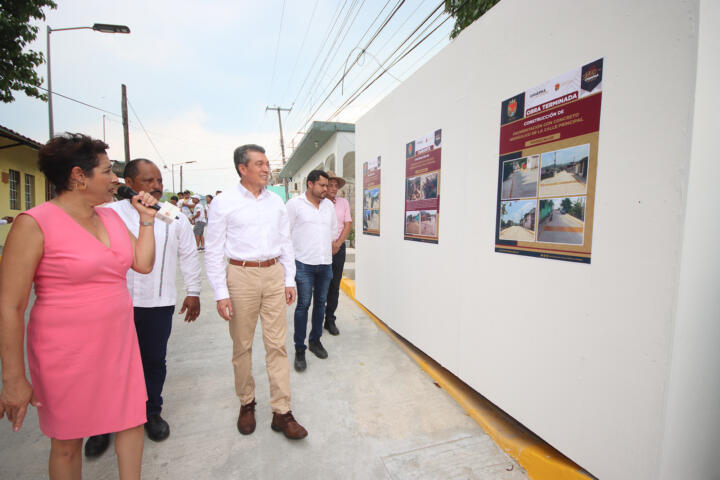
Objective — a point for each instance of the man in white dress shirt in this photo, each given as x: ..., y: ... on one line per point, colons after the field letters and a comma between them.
x: 154, y: 294
x: 249, y: 226
x: 313, y: 225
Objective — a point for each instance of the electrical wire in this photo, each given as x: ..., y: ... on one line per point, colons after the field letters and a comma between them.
x: 82, y: 103
x: 277, y: 46
x: 302, y: 45
x: 148, y: 136
x: 380, y: 66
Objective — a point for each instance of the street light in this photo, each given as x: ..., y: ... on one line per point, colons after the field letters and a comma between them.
x: 98, y: 27
x: 172, y: 172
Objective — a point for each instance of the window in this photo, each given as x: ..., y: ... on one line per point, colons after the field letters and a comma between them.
x: 29, y: 191
x: 49, y: 190
x: 14, y: 190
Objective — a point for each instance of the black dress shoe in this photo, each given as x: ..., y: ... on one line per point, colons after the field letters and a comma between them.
x: 96, y: 445
x: 300, y: 364
x: 157, y: 428
x: 330, y: 327
x: 316, y: 347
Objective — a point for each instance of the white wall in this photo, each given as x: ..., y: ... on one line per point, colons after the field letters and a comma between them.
x: 578, y: 353
x: 692, y: 438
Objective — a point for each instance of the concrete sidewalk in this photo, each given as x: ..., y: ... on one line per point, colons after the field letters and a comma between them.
x: 370, y: 410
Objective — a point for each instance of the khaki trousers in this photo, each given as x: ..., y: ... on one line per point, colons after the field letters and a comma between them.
x: 259, y: 291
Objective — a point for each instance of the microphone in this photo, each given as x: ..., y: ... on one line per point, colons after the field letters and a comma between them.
x: 167, y: 212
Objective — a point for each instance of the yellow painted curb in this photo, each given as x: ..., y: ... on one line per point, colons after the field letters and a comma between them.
x: 540, y: 460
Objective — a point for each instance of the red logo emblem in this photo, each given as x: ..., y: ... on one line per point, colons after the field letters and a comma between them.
x: 512, y: 108
x: 557, y: 87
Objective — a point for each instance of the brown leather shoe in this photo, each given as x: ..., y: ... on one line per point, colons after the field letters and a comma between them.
x: 286, y: 423
x: 246, y: 419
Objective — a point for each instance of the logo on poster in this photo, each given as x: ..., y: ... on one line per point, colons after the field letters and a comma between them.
x: 512, y: 108
x: 438, y: 137
x: 557, y: 87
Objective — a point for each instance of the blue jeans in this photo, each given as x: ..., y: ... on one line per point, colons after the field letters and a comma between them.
x: 312, y: 285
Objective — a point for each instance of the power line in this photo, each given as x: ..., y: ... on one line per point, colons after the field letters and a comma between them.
x: 395, y: 62
x: 380, y: 66
x: 81, y: 102
x: 372, y: 39
x: 147, y: 135
x: 302, y: 45
x: 277, y: 46
x: 322, y: 46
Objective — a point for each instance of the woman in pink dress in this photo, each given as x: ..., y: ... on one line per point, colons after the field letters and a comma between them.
x: 85, y: 369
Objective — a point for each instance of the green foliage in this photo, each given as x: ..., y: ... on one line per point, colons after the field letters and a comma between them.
x: 578, y: 209
x: 17, y: 67
x: 566, y: 204
x: 466, y: 12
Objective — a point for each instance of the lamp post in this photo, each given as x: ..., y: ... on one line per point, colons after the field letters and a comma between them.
x: 172, y: 172
x: 98, y: 27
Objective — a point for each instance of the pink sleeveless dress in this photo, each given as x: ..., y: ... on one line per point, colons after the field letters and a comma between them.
x: 83, y: 351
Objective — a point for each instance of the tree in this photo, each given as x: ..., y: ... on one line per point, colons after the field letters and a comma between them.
x: 17, y: 67
x: 466, y: 12
x: 566, y: 204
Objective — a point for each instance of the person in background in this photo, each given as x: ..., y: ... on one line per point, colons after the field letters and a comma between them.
x: 208, y: 201
x: 185, y: 205
x: 344, y: 225
x: 174, y: 200
x: 249, y: 226
x: 83, y: 355
x: 154, y: 296
x: 312, y: 229
x: 199, y: 221
x: 6, y: 220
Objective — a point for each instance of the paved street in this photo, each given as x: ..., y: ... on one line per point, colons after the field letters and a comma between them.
x: 372, y: 413
x: 517, y: 232
x: 563, y: 183
x: 562, y: 229
x: 521, y: 184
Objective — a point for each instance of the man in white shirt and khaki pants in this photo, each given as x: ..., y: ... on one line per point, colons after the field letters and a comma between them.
x: 313, y: 225
x: 249, y: 226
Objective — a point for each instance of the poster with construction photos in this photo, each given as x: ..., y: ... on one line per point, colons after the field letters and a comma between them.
x: 371, y: 197
x: 547, y: 167
x: 422, y: 188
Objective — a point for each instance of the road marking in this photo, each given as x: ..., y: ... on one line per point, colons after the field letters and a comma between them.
x: 551, y: 228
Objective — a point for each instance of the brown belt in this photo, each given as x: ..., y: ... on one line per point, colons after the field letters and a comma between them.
x: 246, y: 263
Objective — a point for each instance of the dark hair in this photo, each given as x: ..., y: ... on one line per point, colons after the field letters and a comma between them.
x: 133, y: 167
x: 208, y: 195
x: 240, y: 154
x: 174, y: 197
x: 62, y: 153
x: 186, y: 192
x: 315, y: 175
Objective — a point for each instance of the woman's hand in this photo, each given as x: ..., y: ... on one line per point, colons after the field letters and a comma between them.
x: 14, y: 400
x: 142, y: 202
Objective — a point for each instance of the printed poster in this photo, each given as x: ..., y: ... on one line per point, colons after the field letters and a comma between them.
x: 371, y: 197
x: 422, y: 188
x: 548, y: 164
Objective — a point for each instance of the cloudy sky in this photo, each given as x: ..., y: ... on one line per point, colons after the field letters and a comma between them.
x: 199, y: 75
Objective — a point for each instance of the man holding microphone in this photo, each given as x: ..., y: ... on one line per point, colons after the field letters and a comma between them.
x: 154, y: 295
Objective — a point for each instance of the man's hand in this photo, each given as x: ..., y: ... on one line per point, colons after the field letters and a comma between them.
x: 336, y: 247
x: 224, y: 308
x: 8, y: 219
x: 290, y: 295
x: 14, y: 399
x: 192, y: 306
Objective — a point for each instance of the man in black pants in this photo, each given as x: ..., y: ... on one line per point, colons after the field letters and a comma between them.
x: 344, y: 223
x: 154, y: 295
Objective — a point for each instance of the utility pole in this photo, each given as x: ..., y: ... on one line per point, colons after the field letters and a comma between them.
x: 126, y: 130
x: 282, y: 142
x: 181, y: 179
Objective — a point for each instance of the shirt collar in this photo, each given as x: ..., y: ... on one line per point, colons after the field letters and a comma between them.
x: 244, y: 191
